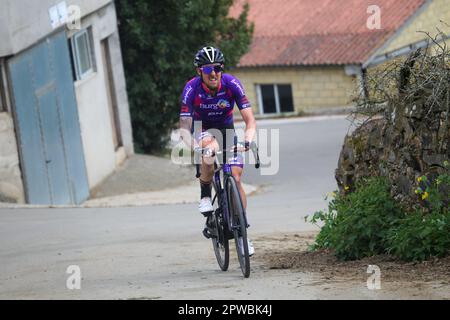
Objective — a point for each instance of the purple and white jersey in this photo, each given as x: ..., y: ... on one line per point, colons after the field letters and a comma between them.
x: 214, y: 111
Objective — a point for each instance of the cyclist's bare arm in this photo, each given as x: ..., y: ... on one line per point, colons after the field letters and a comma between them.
x: 250, y: 124
x: 185, y: 132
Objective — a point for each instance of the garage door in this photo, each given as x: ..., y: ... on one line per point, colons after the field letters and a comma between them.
x: 48, y: 128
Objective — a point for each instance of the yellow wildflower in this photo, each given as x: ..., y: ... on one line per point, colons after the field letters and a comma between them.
x: 347, y: 188
x: 425, y: 195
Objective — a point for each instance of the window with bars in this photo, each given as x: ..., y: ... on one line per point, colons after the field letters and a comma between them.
x: 275, y: 98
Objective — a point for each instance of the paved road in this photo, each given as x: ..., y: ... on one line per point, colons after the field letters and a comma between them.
x: 158, y: 252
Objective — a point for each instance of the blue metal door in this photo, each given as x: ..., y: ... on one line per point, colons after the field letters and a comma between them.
x: 48, y: 128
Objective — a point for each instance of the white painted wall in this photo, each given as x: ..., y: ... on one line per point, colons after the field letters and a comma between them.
x: 91, y: 95
x: 24, y: 22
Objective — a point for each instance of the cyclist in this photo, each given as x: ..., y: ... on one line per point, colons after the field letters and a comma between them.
x: 210, y: 98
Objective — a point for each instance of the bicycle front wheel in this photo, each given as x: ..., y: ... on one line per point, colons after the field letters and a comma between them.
x: 220, y: 239
x: 239, y: 225
x: 220, y: 244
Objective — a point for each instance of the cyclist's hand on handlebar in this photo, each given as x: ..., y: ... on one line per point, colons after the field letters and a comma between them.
x: 241, y: 147
x: 206, y: 152
x: 247, y: 145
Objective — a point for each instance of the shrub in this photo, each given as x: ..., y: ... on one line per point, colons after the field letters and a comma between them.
x: 356, y: 225
x: 421, y: 236
x: 426, y: 232
x: 368, y: 221
x: 434, y: 194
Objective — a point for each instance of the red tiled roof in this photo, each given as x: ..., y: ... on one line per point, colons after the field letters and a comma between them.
x: 319, y: 32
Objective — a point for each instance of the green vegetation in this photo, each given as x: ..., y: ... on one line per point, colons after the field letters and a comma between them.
x: 419, y: 237
x: 368, y: 221
x: 356, y: 224
x: 159, y: 41
x: 425, y: 232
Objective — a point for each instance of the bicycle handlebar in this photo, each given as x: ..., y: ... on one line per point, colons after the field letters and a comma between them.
x: 253, y: 147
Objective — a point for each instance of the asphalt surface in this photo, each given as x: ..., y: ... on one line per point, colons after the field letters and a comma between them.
x: 158, y: 252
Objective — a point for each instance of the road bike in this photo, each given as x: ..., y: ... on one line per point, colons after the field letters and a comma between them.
x: 228, y: 220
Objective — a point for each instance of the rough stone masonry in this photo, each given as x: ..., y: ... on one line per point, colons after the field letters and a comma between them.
x: 11, y: 188
x: 412, y: 139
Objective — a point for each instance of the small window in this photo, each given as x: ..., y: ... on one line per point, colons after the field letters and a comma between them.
x: 275, y: 98
x: 82, y: 54
x: 285, y: 95
x: 268, y: 99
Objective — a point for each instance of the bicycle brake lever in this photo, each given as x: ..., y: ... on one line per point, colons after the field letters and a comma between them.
x: 254, y: 148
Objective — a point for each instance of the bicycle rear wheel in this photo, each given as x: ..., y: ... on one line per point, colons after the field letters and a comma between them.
x: 239, y: 225
x: 220, y: 240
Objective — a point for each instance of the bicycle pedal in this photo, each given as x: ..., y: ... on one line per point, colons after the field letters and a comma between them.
x: 207, y: 214
x: 207, y: 234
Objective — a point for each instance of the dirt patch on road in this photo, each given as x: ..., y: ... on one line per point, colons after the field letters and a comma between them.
x: 290, y: 251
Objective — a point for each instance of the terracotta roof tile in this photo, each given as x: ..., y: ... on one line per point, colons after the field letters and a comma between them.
x: 319, y: 32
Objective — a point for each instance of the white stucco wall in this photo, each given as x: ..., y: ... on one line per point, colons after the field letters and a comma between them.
x: 24, y: 22
x: 27, y: 23
x: 91, y: 95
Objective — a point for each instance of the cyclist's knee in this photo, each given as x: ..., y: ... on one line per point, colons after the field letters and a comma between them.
x: 237, y: 174
x: 206, y: 141
x: 208, y: 162
x: 209, y: 142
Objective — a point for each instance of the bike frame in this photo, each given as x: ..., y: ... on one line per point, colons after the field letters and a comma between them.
x: 224, y: 228
x: 221, y: 193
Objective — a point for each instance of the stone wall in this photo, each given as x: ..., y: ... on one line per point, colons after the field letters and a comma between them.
x: 11, y: 187
x: 411, y: 136
x: 412, y: 144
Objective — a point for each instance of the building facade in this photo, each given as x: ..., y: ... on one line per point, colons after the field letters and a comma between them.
x: 64, y: 116
x: 312, y: 55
